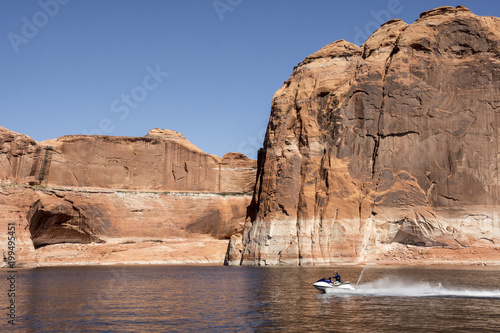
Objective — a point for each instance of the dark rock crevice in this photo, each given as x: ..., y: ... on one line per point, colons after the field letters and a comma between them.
x: 385, y: 93
x: 59, y: 221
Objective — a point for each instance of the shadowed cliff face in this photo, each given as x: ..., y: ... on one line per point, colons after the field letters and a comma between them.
x: 394, y: 142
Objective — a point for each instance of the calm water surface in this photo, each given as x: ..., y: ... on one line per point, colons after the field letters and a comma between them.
x: 254, y: 299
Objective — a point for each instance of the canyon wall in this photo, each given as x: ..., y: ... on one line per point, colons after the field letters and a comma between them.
x: 384, y: 152
x: 162, y: 160
x: 101, y: 199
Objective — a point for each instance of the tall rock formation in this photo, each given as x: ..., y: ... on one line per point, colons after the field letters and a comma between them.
x: 104, y: 199
x: 382, y: 149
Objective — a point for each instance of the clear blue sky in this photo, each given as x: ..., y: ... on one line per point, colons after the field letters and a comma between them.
x: 207, y: 69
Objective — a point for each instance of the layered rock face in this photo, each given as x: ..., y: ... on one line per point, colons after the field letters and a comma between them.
x: 162, y: 160
x: 98, y: 199
x: 383, y: 148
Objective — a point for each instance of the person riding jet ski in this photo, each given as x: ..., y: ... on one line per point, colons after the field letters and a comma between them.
x: 337, y: 277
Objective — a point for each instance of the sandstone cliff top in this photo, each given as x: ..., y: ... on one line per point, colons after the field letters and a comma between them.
x: 447, y: 10
x: 238, y: 160
x: 154, y: 135
x: 8, y: 135
x: 394, y: 32
x: 165, y: 133
x: 340, y: 48
x: 231, y: 159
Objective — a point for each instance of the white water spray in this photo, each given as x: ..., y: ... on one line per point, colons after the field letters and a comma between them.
x: 360, y: 276
x: 391, y: 287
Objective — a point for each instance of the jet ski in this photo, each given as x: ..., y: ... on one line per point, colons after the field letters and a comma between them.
x: 327, y: 285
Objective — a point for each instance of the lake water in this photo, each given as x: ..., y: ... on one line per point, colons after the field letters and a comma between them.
x: 253, y: 299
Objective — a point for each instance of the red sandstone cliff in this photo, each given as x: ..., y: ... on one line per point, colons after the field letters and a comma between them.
x: 100, y: 199
x: 162, y: 160
x: 386, y: 151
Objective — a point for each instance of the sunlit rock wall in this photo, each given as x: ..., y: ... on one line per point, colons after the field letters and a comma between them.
x: 394, y: 143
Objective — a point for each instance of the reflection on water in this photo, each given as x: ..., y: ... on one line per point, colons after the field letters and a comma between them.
x: 255, y: 299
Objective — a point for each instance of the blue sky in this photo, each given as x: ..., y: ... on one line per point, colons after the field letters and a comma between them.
x: 205, y: 68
